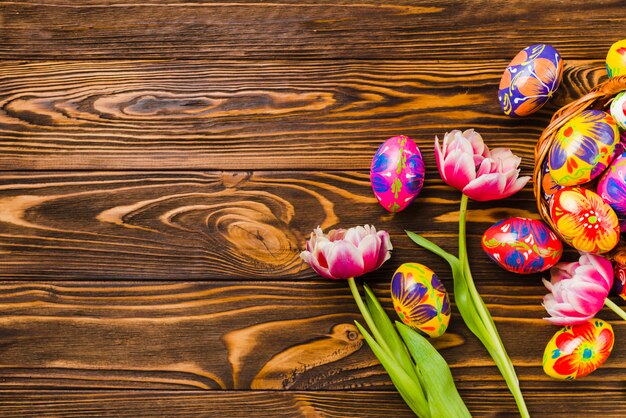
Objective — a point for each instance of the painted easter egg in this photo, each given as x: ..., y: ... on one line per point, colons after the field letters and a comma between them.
x: 522, y: 245
x: 420, y: 300
x: 577, y: 350
x: 618, y: 109
x: 583, y: 148
x: 397, y: 173
x: 530, y: 80
x: 619, y: 264
x: 584, y: 220
x: 612, y: 188
x: 616, y: 59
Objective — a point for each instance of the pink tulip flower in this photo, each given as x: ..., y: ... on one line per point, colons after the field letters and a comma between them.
x: 343, y: 254
x: 578, y: 289
x: 467, y: 164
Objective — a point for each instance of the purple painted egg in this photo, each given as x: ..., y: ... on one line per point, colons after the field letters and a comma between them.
x: 619, y: 264
x: 530, y: 80
x: 397, y: 173
x: 612, y: 188
x: 522, y: 245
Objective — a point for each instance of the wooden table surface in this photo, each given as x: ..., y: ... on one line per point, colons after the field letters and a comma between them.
x: 163, y: 162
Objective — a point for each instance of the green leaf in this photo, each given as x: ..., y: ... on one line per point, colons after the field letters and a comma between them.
x: 462, y: 297
x: 443, y: 398
x: 389, y: 333
x: 407, y: 388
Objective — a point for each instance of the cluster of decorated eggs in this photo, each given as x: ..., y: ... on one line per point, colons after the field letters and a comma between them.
x: 584, y: 174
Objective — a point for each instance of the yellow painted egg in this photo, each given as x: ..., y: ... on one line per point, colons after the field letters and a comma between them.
x: 577, y: 350
x: 616, y: 59
x: 420, y: 300
x: 583, y: 148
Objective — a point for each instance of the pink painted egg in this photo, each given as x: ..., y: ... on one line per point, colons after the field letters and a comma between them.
x: 612, y: 188
x: 522, y: 245
x: 397, y: 173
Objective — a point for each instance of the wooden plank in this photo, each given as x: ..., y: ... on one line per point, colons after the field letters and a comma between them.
x: 213, y: 225
x: 265, y: 335
x: 357, y: 404
x: 252, y: 116
x: 440, y: 29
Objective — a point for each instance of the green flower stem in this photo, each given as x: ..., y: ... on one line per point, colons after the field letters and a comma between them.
x: 491, y: 339
x: 619, y: 311
x: 368, y: 317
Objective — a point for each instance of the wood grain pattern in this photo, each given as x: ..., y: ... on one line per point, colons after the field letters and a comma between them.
x: 440, y: 29
x: 248, y: 115
x: 213, y: 225
x: 265, y: 335
x: 361, y: 404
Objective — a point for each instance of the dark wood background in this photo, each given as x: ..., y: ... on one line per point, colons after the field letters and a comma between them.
x: 162, y: 163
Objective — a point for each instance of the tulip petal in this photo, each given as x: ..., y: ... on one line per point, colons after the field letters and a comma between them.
x: 602, y: 265
x: 308, y: 257
x: 369, y: 251
x: 345, y: 260
x: 384, y: 251
x: 486, y: 187
x: 589, y: 298
x: 458, y: 169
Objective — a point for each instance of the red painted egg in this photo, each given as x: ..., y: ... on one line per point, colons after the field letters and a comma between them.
x: 522, y: 245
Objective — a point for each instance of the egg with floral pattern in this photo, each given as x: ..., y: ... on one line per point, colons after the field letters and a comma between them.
x: 577, y: 350
x: 397, y: 173
x: 420, y: 300
x: 616, y: 59
x: 583, y: 148
x: 522, y: 245
x: 612, y: 188
x: 530, y: 80
x: 584, y: 220
x: 618, y: 109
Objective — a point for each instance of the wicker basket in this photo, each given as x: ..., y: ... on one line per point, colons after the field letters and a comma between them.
x: 598, y: 98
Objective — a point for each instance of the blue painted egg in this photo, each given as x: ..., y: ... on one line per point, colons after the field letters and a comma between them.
x: 397, y: 173
x: 530, y: 80
x: 522, y: 245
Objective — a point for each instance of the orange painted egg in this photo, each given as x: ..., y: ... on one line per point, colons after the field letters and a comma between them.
x: 577, y: 350
x: 420, y: 300
x: 584, y: 220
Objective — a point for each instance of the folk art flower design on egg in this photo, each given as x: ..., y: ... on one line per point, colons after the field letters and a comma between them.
x: 522, y: 245
x: 584, y: 220
x: 397, y: 173
x: 583, y: 148
x: 577, y: 350
x: 420, y: 299
x: 530, y: 80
